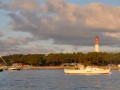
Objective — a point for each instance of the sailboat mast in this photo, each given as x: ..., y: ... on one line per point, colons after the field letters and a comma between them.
x: 3, y: 60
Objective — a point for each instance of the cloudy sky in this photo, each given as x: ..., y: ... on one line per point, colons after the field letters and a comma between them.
x: 50, y: 26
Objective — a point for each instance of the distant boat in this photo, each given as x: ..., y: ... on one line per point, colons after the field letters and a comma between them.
x: 88, y: 70
x: 9, y: 67
x: 1, y: 69
x: 13, y: 68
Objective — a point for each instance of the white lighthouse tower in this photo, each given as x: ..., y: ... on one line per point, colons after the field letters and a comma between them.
x: 96, y: 44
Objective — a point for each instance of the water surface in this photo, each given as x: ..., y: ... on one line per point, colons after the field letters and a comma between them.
x: 57, y: 80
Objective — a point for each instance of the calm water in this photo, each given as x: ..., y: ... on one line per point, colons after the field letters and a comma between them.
x: 57, y: 80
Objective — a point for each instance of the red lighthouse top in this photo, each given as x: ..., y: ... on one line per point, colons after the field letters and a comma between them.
x: 96, y: 40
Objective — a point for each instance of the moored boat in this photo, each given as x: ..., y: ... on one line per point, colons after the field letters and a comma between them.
x: 88, y: 70
x: 13, y: 68
x: 1, y: 70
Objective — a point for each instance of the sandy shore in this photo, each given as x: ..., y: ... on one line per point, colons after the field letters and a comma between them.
x: 61, y: 67
x: 46, y: 67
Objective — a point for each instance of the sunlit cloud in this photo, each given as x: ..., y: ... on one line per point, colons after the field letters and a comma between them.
x: 63, y: 22
x: 114, y: 35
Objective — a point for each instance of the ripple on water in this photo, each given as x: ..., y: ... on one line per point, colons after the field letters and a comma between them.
x: 57, y: 80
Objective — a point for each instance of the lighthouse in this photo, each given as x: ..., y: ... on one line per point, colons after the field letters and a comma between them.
x: 96, y: 44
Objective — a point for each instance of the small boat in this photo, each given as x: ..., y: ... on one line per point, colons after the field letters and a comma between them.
x: 88, y: 70
x: 13, y: 68
x: 1, y: 69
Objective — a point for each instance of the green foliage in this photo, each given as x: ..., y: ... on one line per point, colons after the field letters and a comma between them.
x: 56, y: 59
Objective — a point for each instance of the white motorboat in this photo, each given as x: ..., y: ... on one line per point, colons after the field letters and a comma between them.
x: 88, y: 70
x: 13, y: 68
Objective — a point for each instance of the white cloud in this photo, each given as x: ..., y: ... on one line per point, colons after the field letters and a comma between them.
x: 64, y: 22
x: 1, y: 34
x: 12, y: 44
x: 102, y: 16
x: 114, y: 35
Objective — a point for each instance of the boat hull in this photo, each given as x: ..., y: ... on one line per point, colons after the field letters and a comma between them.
x: 13, y: 68
x: 1, y: 70
x: 69, y: 71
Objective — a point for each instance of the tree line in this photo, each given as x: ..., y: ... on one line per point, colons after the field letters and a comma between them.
x: 57, y: 59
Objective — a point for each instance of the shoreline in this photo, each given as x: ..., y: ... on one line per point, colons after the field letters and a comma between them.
x: 62, y: 67
x: 45, y: 67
